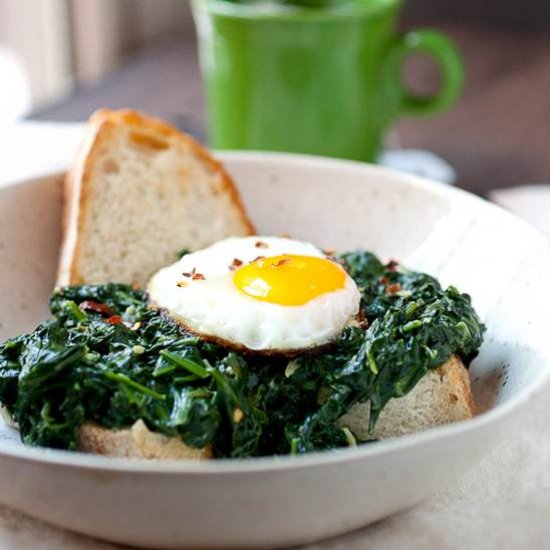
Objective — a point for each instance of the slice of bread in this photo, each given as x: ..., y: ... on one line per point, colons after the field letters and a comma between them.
x: 441, y: 397
x: 139, y: 192
x: 136, y: 442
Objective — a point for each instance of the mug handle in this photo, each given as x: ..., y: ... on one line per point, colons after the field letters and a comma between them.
x: 443, y: 51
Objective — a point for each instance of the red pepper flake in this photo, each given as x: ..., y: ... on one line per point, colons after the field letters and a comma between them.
x: 114, y: 320
x: 190, y: 274
x: 90, y: 305
x: 384, y: 281
x: 282, y: 262
x: 392, y: 265
x: 236, y: 263
x: 198, y: 277
x: 392, y: 289
x: 261, y: 244
x: 257, y: 259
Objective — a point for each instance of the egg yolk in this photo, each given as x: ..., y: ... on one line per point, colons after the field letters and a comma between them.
x: 289, y: 280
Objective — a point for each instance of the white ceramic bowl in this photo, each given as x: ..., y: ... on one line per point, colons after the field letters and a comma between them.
x: 499, y: 260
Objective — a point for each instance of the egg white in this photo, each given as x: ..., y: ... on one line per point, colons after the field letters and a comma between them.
x: 209, y: 304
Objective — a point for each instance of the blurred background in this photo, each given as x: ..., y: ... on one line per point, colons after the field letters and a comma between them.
x: 62, y: 59
x: 55, y: 47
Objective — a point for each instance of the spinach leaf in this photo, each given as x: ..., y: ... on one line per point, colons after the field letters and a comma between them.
x: 105, y: 357
x: 414, y: 326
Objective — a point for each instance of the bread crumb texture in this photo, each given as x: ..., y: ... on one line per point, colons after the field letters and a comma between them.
x: 140, y: 192
x: 442, y: 396
x: 136, y: 442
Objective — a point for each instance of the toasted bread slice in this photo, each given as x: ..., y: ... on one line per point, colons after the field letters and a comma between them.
x: 442, y: 396
x: 139, y: 192
x: 136, y: 442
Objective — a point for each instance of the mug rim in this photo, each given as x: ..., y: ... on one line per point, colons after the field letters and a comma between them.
x: 297, y: 13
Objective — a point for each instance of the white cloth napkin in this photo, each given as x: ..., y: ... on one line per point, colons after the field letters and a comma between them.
x: 501, y: 503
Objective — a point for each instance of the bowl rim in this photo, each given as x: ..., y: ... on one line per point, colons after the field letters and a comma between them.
x: 244, y: 466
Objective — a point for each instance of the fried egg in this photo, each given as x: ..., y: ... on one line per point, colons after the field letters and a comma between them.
x: 258, y: 294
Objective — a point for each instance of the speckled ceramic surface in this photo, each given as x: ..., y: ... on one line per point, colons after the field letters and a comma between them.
x: 499, y: 260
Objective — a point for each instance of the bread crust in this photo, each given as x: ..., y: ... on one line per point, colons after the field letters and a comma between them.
x: 136, y: 441
x: 77, y: 180
x: 460, y: 379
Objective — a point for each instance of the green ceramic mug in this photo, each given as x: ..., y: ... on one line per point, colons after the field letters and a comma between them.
x: 323, y: 81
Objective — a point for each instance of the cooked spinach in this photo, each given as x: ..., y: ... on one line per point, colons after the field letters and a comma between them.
x: 105, y: 357
x: 414, y: 326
